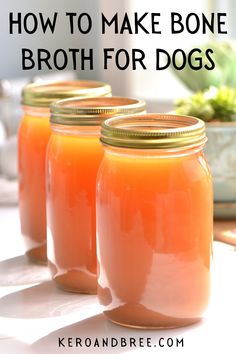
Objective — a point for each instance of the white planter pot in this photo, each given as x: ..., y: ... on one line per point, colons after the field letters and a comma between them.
x: 221, y: 154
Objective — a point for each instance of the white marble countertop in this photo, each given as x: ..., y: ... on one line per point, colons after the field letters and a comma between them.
x: 35, y: 315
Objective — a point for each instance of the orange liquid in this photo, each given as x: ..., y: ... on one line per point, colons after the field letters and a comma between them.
x: 154, y: 224
x: 33, y: 136
x: 72, y: 168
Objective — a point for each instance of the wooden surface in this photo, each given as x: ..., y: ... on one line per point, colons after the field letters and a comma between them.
x: 225, y: 231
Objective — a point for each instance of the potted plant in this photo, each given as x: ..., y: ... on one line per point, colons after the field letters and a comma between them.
x: 217, y: 107
x: 214, y: 101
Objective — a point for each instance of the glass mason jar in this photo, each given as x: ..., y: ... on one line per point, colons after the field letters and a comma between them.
x: 154, y: 221
x: 73, y: 156
x: 33, y: 136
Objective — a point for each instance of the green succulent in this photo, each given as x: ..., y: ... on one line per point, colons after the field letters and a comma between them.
x: 212, y: 104
x: 224, y: 73
x: 224, y: 104
x: 196, y: 106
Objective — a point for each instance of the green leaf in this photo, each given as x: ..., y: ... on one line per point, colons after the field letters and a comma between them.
x: 224, y: 73
x: 214, y: 103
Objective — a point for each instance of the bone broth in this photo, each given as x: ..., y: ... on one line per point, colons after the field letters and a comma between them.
x: 34, y: 133
x: 73, y: 156
x: 154, y: 221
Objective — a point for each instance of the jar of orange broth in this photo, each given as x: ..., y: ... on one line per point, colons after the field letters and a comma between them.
x: 34, y: 133
x: 154, y: 221
x: 73, y: 156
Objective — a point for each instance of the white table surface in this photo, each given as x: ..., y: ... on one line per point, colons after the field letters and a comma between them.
x: 34, y: 313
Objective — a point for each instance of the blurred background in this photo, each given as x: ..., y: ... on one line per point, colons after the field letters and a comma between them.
x: 149, y: 84
x: 160, y: 89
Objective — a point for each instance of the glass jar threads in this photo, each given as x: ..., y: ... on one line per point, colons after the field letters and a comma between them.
x: 73, y: 156
x: 154, y: 221
x: 33, y: 136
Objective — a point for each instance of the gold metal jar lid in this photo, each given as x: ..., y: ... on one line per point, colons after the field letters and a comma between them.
x: 43, y: 94
x: 92, y: 111
x: 153, y: 131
